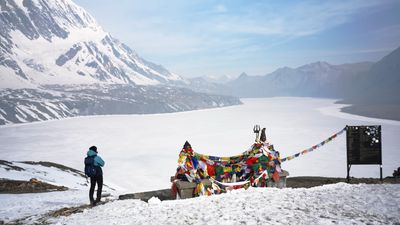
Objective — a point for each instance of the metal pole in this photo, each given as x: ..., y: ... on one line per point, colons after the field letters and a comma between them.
x: 347, y: 154
x: 348, y: 173
x: 380, y: 147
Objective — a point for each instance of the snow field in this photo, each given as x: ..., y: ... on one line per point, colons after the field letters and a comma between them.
x: 330, y: 204
x: 141, y: 151
x: 141, y: 154
x: 34, y: 206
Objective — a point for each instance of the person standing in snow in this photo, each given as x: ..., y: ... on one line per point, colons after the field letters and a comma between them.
x: 94, y: 162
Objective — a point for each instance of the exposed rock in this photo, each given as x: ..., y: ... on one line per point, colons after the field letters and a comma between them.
x: 31, y: 186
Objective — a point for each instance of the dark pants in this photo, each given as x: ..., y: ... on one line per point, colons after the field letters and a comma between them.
x: 93, y: 181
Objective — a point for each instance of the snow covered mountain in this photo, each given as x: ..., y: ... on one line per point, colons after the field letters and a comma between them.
x: 58, y: 42
x: 50, y: 47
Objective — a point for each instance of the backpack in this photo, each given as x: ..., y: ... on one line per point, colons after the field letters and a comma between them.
x: 90, y: 169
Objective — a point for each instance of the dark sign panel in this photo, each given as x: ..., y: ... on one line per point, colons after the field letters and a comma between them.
x: 364, y: 145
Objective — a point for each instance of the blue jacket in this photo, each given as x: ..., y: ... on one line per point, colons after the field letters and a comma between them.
x: 98, y: 161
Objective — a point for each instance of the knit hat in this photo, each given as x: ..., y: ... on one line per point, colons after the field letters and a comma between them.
x: 93, y: 148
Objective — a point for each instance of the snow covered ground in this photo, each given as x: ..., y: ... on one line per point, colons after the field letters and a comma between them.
x: 30, y: 207
x: 46, y: 174
x: 141, y: 151
x: 141, y: 154
x: 330, y: 204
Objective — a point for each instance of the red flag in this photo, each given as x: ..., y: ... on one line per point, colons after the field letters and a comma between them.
x: 275, y: 176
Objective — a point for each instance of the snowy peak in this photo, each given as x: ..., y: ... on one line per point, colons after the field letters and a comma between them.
x: 47, y: 19
x: 283, y: 69
x: 58, y: 42
x: 321, y: 69
x: 56, y: 62
x: 243, y: 75
x: 316, y: 65
x: 68, y: 14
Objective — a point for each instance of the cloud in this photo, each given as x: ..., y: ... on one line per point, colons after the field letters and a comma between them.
x: 303, y: 19
x: 197, y: 35
x: 220, y: 9
x: 192, y: 31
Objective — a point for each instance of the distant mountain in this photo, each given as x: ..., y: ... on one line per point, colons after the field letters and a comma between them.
x: 201, y: 84
x: 382, y: 82
x: 218, y: 79
x: 319, y: 79
x: 377, y: 93
x: 55, y: 43
x: 373, y: 89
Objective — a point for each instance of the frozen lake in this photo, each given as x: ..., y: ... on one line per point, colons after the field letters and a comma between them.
x: 141, y: 151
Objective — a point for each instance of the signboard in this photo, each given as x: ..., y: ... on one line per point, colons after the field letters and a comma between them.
x: 364, y: 146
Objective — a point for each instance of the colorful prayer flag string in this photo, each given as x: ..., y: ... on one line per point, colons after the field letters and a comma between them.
x: 314, y: 147
x: 253, y: 167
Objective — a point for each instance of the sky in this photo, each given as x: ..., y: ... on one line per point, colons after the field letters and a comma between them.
x: 228, y: 37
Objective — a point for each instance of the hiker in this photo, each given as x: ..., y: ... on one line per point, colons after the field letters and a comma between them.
x: 93, y: 164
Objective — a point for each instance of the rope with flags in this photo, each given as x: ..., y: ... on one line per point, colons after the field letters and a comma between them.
x: 254, y: 167
x: 314, y: 147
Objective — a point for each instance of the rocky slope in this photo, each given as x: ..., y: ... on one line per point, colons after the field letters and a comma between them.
x: 56, y: 102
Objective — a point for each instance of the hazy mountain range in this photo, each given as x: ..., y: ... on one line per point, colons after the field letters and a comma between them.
x: 56, y: 61
x: 318, y: 79
x: 372, y: 88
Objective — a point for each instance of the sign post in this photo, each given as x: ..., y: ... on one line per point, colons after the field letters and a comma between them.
x: 364, y: 146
